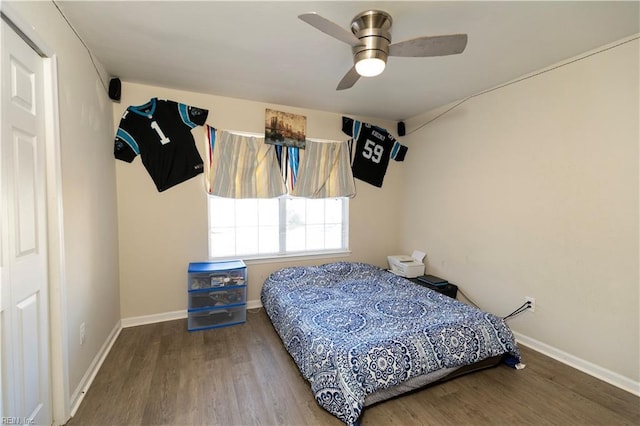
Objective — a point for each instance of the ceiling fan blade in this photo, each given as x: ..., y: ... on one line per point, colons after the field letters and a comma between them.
x: 349, y: 79
x: 430, y: 46
x: 330, y: 28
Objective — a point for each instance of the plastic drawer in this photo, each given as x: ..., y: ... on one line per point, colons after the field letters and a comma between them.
x: 210, y: 298
x: 217, y: 278
x: 217, y: 317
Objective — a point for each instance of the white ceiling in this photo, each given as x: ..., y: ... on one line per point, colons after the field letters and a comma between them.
x: 261, y: 51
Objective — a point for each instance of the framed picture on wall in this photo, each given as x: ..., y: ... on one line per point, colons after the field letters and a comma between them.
x: 285, y: 128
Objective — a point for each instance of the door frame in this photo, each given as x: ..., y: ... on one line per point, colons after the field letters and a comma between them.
x: 58, y: 347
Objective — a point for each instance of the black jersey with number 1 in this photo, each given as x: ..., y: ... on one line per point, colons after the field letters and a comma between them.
x: 160, y: 132
x: 374, y: 146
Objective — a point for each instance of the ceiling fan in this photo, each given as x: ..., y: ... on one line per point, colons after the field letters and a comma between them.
x: 370, y: 43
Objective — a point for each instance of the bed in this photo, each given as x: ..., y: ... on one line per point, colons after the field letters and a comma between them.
x: 360, y: 334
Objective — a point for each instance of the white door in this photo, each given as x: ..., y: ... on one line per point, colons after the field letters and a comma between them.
x: 24, y: 320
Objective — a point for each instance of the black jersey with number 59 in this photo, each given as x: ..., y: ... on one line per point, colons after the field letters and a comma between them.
x: 373, y: 148
x: 160, y: 132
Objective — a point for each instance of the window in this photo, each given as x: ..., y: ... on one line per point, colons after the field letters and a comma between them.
x: 272, y: 227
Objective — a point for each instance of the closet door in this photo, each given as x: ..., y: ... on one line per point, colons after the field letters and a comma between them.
x: 24, y: 320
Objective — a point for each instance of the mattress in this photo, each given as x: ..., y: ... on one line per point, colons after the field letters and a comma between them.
x: 360, y: 334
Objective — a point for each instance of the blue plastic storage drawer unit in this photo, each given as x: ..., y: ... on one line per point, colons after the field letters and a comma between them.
x: 217, y: 294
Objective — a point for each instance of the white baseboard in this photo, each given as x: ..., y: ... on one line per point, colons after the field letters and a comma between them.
x: 78, y: 394
x: 151, y: 319
x: 253, y: 304
x: 591, y: 369
x: 169, y: 316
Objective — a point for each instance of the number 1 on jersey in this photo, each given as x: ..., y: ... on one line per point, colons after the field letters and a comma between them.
x: 163, y: 139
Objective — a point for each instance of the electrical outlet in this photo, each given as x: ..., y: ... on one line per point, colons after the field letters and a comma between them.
x: 532, y: 301
x: 82, y: 333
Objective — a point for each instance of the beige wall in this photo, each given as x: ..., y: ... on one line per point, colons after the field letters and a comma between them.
x: 532, y: 190
x: 90, y: 269
x: 160, y: 233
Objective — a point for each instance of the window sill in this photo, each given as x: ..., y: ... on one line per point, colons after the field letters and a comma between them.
x: 249, y: 260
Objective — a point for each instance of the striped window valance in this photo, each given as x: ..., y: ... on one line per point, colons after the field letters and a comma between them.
x: 242, y: 166
x: 325, y: 171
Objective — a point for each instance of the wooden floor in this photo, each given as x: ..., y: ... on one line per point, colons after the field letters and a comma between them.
x: 160, y: 374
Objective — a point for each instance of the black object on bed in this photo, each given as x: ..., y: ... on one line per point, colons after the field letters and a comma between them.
x: 360, y: 334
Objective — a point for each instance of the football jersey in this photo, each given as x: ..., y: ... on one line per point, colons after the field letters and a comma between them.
x: 371, y: 148
x: 160, y: 132
x: 289, y: 161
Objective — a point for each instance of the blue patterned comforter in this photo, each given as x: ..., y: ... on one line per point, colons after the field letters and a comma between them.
x: 353, y: 329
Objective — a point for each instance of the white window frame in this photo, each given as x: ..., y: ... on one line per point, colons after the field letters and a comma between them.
x: 275, y: 256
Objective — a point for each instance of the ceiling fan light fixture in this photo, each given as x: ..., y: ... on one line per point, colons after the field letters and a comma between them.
x: 370, y: 67
x: 370, y: 41
x: 370, y: 62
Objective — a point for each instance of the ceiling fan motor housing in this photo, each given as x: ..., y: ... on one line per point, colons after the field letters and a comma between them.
x: 372, y: 28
